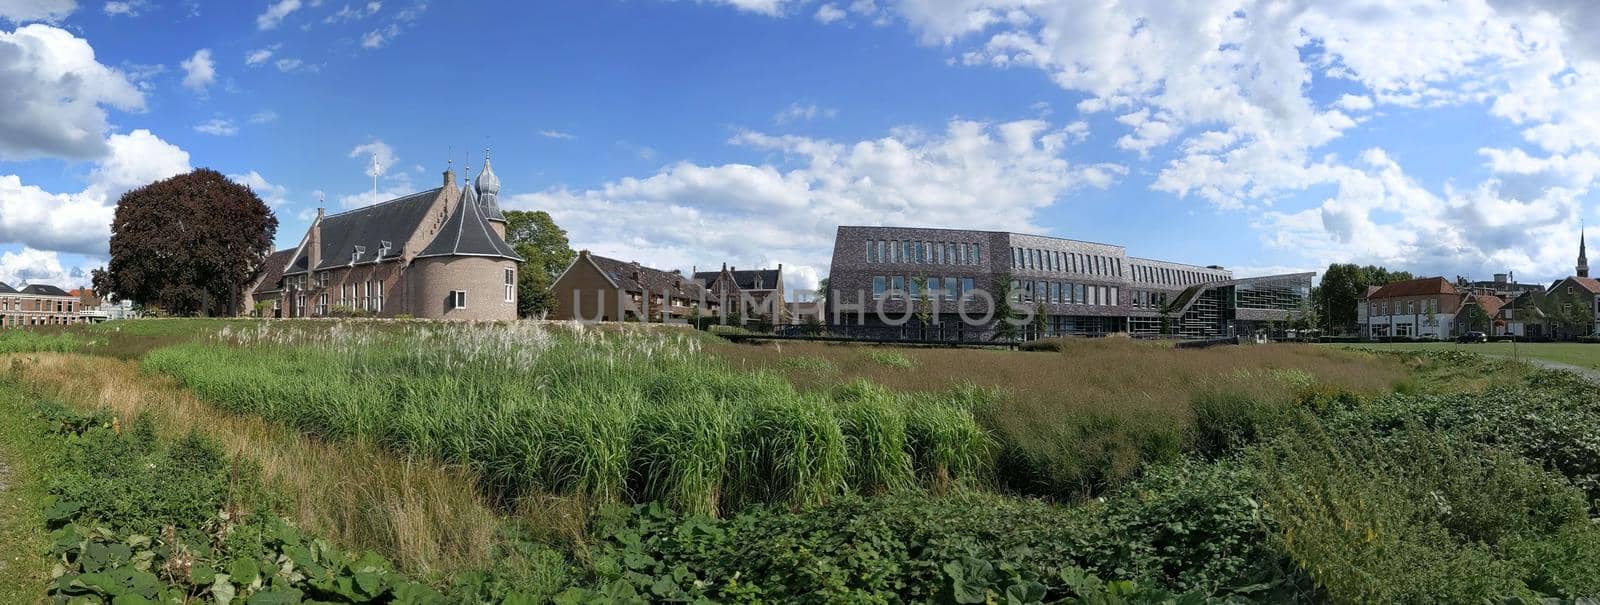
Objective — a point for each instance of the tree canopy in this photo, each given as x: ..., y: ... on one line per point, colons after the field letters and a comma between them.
x: 1343, y: 286
x: 546, y: 253
x: 187, y: 245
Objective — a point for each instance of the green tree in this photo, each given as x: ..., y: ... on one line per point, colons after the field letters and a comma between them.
x: 1343, y: 286
x: 545, y: 252
x: 187, y: 245
x: 1477, y: 318
x: 1004, y: 315
x: 1568, y: 310
x: 1041, y: 320
x: 923, y: 303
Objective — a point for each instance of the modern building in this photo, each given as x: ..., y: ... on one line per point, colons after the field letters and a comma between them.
x: 883, y: 274
x: 752, y: 292
x: 1415, y: 308
x: 37, y: 305
x: 437, y: 254
x: 596, y: 288
x: 806, y: 313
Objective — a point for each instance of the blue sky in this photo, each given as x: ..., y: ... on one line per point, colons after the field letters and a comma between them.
x: 1266, y: 137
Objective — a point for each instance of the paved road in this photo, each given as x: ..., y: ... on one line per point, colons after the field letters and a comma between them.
x: 1590, y: 374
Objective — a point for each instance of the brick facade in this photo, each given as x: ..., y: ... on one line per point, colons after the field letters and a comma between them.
x: 38, y: 306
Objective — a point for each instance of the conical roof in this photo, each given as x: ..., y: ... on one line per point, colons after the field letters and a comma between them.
x: 466, y: 233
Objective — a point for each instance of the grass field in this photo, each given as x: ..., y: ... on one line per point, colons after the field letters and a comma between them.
x: 1571, y: 353
x: 630, y: 463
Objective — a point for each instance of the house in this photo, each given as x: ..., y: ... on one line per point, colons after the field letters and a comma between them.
x: 596, y: 288
x: 1572, y: 307
x: 1523, y: 316
x: 436, y: 254
x: 753, y: 292
x: 37, y: 305
x: 1467, y: 318
x: 1415, y: 308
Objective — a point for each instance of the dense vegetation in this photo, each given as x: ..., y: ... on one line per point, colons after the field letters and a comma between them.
x: 1269, y: 474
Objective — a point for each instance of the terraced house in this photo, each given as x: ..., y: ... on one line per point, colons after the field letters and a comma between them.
x: 37, y: 305
x: 1084, y: 288
x: 436, y: 254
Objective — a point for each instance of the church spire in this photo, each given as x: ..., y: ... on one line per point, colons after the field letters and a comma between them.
x: 1583, y: 254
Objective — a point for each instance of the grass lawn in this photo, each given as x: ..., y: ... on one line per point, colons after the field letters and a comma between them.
x: 23, y: 540
x: 1572, y: 353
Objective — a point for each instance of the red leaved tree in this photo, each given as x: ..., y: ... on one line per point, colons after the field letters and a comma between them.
x: 187, y: 245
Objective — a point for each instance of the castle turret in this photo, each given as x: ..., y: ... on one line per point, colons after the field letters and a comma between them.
x: 488, y: 186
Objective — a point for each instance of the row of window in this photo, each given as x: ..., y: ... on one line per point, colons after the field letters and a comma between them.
x: 1058, y: 293
x: 923, y: 253
x: 1066, y: 262
x: 943, y: 288
x: 39, y: 305
x: 1149, y: 300
x: 13, y: 321
x: 1172, y: 277
x: 1430, y: 305
x: 367, y: 296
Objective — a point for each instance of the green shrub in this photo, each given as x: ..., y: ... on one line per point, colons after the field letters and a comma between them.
x: 890, y: 359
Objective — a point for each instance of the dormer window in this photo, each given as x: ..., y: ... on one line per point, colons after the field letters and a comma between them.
x: 383, y: 248
x: 356, y: 255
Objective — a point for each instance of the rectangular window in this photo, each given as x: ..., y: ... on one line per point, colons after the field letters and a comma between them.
x: 1055, y: 292
x: 935, y: 288
x: 897, y: 285
x: 1117, y: 269
x: 1041, y: 291
x: 1077, y: 294
x: 1113, y: 296
x: 966, y: 286
x: 458, y: 299
x: 511, y: 285
x: 872, y: 251
x: 938, y: 254
x: 977, y: 253
x: 879, y: 284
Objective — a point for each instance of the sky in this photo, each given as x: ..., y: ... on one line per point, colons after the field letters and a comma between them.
x: 1268, y: 136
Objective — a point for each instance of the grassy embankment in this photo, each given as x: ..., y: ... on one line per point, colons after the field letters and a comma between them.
x: 1289, y: 474
x: 1582, y: 355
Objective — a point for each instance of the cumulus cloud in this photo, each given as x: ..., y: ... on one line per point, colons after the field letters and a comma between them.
x: 199, y: 71
x: 23, y: 11
x: 260, y: 55
x: 379, y: 151
x: 770, y: 8
x: 275, y: 13
x: 80, y: 222
x: 972, y: 175
x: 30, y: 266
x: 275, y: 196
x: 54, y: 93
x: 124, y: 8
x: 220, y: 127
x: 829, y: 13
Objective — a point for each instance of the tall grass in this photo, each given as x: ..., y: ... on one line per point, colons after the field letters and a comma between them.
x: 20, y: 340
x: 573, y: 411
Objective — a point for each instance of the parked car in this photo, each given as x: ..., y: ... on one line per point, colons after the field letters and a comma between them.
x: 1473, y: 337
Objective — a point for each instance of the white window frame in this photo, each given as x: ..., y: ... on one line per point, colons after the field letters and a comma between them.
x: 511, y: 285
x: 458, y: 299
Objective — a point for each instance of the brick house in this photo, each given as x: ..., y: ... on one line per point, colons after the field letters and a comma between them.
x: 596, y: 288
x: 37, y: 305
x: 757, y: 292
x: 437, y: 254
x: 1416, y: 308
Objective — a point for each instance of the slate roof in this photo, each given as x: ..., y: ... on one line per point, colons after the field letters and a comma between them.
x: 648, y: 280
x: 272, y: 269
x: 5, y: 289
x: 746, y: 280
x: 44, y: 290
x: 1415, y: 287
x: 466, y: 233
x: 393, y: 221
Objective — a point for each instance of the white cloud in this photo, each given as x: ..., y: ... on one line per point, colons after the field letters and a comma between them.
x: 264, y: 117
x: 557, y: 134
x: 379, y: 37
x: 829, y: 13
x: 274, y: 195
x: 354, y: 13
x: 1350, y: 102
x: 54, y: 93
x: 30, y: 266
x: 126, y: 8
x: 260, y: 55
x: 199, y: 71
x: 275, y: 13
x: 973, y: 175
x: 81, y: 222
x: 770, y: 8
x: 23, y: 11
x: 217, y: 127
x: 796, y: 112
x: 384, y: 154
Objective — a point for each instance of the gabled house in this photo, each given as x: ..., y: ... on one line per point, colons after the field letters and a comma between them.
x: 1415, y: 308
x: 752, y: 292
x: 596, y: 288
x: 1468, y: 319
x: 436, y: 254
x: 37, y: 305
x: 1572, y: 307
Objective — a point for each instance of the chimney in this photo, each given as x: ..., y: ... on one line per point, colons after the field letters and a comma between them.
x: 314, y: 247
x: 583, y: 253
